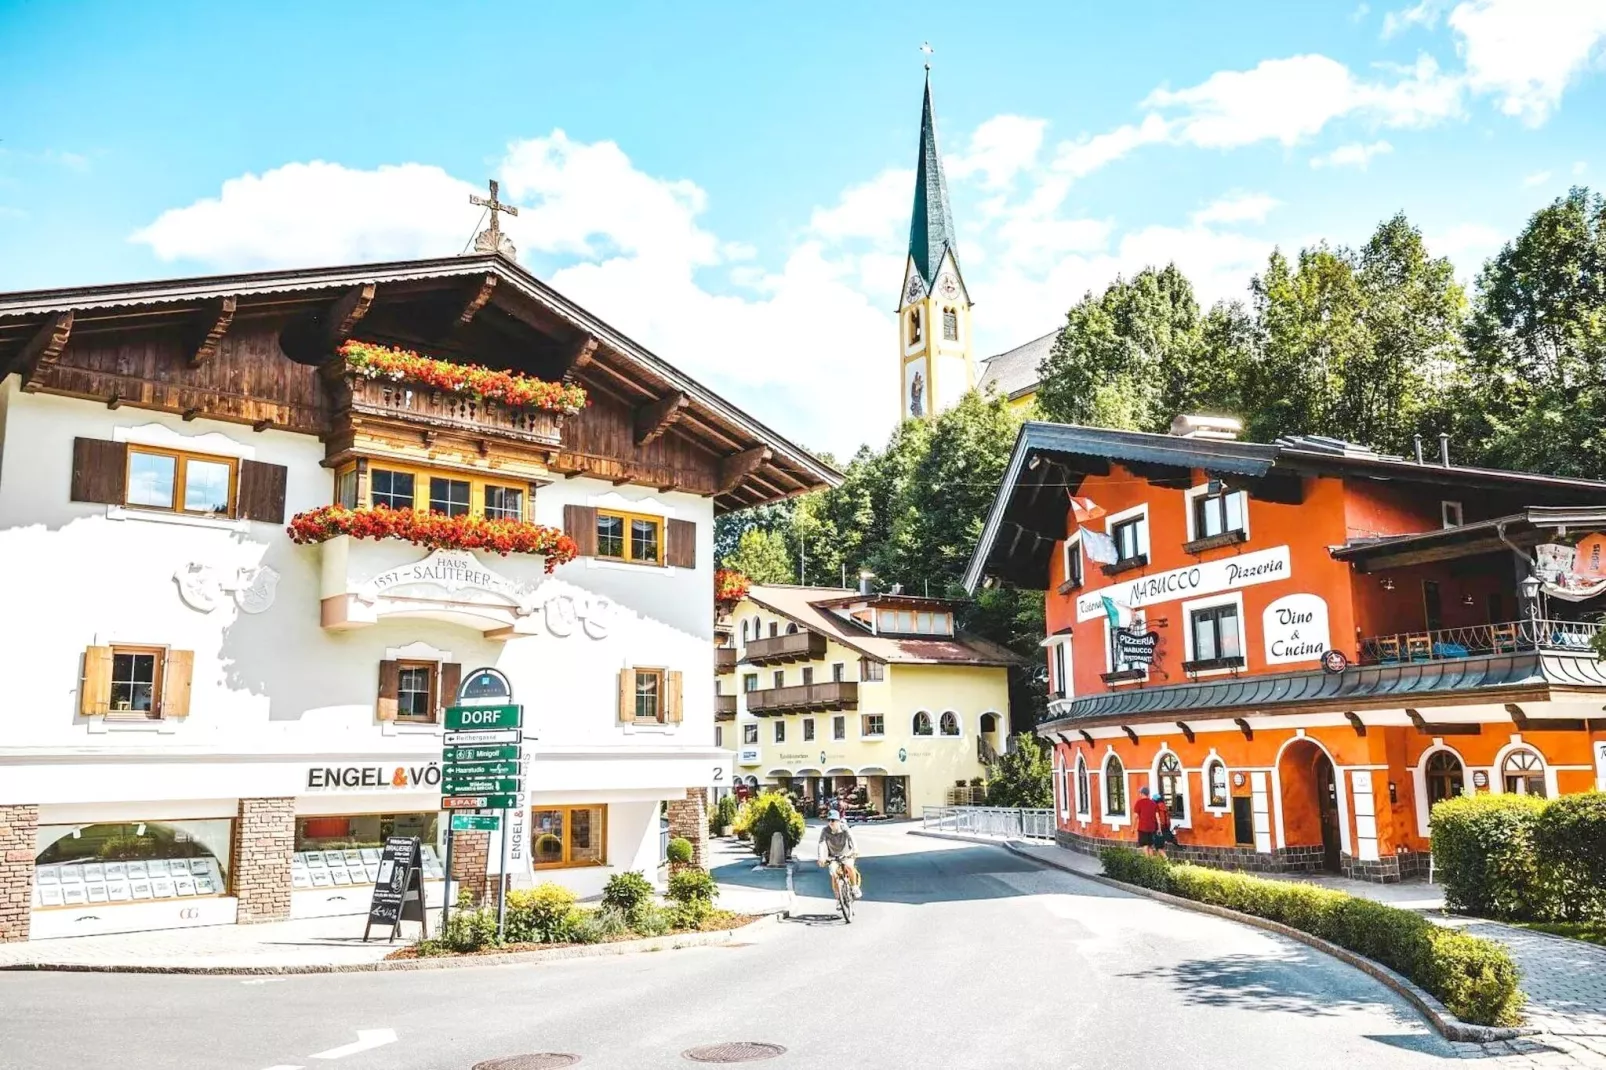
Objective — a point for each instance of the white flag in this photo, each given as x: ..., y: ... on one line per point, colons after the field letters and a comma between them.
x: 1100, y: 547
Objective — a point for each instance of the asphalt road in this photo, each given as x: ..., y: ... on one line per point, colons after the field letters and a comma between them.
x: 959, y: 956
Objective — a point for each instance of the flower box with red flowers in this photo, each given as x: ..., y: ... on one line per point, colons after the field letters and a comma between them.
x: 730, y: 586
x: 435, y: 531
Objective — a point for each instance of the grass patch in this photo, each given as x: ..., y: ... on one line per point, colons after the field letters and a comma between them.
x: 1593, y: 932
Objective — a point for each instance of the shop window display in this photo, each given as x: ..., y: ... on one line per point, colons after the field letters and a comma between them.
x: 333, y: 852
x: 129, y: 862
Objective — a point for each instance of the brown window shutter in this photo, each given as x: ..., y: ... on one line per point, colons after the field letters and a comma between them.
x: 389, y: 689
x: 176, y: 683
x: 681, y: 546
x: 262, y: 491
x: 99, y: 471
x: 580, y: 524
x: 95, y: 693
x: 674, y: 714
x: 451, y: 680
x: 627, y: 696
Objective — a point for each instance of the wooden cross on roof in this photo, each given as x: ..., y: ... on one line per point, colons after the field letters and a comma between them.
x: 491, y: 240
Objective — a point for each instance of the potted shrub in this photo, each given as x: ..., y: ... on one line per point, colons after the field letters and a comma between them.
x: 679, y: 852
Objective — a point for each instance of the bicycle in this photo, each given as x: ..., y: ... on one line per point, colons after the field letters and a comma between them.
x: 844, y: 890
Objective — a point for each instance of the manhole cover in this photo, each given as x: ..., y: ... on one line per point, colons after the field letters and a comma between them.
x: 543, y: 1060
x: 735, y: 1051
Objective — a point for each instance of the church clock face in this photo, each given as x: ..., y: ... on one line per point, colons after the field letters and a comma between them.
x: 912, y: 292
x: 948, y: 287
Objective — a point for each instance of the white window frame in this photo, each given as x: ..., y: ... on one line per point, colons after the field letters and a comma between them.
x: 1060, y: 671
x: 1204, y: 783
x: 915, y: 716
x: 1145, y: 529
x: 1447, y: 510
x: 936, y: 725
x: 1139, y: 617
x: 872, y: 735
x: 1081, y: 772
x: 1191, y: 496
x: 1186, y: 820
x: 1070, y: 545
x: 1062, y: 786
x: 1231, y: 598
x: 1114, y: 821
x: 1497, y: 777
x: 1419, y: 781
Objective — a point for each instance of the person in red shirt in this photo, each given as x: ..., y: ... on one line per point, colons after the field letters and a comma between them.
x: 1162, y: 825
x: 1147, y: 811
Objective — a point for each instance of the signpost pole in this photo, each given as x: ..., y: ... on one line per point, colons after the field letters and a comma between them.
x: 446, y: 895
x: 502, y: 882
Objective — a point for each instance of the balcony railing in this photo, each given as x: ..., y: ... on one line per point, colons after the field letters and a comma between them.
x: 449, y: 412
x: 724, y: 707
x: 724, y: 660
x: 1513, y: 637
x: 836, y: 695
x: 780, y: 649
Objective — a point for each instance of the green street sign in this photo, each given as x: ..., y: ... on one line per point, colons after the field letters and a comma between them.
x: 476, y: 822
x: 475, y: 718
x: 481, y: 785
x: 476, y: 770
x: 481, y: 754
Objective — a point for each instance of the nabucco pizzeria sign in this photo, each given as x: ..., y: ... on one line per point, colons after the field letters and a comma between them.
x: 1209, y: 577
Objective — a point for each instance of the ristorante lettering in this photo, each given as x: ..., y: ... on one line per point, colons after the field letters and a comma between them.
x: 1207, y: 577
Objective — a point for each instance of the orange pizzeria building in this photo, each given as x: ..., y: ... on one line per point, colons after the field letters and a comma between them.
x: 1301, y: 645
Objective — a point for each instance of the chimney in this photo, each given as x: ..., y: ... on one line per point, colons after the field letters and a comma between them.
x: 1219, y: 428
x: 1418, y: 440
x: 864, y: 582
x: 1444, y: 449
x: 897, y: 588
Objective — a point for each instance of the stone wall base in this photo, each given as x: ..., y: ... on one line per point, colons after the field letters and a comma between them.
x: 688, y: 818
x: 1407, y: 866
x: 470, y: 851
x: 264, y: 843
x: 19, y: 827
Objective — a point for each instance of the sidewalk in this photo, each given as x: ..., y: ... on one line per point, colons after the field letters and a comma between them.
x: 1565, y: 980
x: 323, y: 943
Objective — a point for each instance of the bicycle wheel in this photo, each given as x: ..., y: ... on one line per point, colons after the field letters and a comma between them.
x: 844, y: 899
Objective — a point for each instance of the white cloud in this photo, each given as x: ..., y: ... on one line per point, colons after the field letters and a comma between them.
x: 1526, y: 52
x: 1360, y: 13
x: 1356, y: 154
x: 1425, y: 13
x: 869, y: 209
x: 1083, y: 157
x: 1282, y: 99
x: 1467, y: 245
x: 1580, y: 167
x: 1538, y: 178
x: 1238, y: 208
x: 1000, y: 148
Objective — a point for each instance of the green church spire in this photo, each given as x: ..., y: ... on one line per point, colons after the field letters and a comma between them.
x: 931, y: 229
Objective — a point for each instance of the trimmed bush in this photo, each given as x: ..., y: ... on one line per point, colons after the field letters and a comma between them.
x: 773, y: 812
x: 1484, y: 854
x: 627, y: 891
x: 723, y: 817
x: 679, y: 851
x: 650, y: 919
x: 540, y: 915
x: 1570, y: 838
x: 741, y: 824
x: 691, y: 885
x: 596, y: 926
x: 1475, y: 978
x: 691, y: 914
x: 467, y: 930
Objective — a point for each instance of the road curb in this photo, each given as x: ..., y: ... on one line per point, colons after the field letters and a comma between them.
x: 1448, y: 1025
x: 444, y: 962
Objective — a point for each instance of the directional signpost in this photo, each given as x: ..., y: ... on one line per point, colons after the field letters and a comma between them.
x: 483, y: 764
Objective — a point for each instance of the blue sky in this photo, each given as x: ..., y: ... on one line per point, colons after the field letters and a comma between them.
x: 731, y: 183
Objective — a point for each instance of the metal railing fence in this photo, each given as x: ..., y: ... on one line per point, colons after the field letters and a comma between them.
x: 1000, y: 821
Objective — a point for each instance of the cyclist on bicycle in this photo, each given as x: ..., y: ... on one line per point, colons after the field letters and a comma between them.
x: 837, y: 846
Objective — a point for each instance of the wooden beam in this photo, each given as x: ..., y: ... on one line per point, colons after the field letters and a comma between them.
x: 1133, y: 736
x: 344, y: 315
x: 767, y: 487
x: 1429, y: 728
x: 692, y: 422
x: 261, y: 425
x: 115, y: 401
x: 738, y: 466
x: 43, y: 348
x: 214, y: 325
x: 656, y: 417
x: 1519, y: 717
x: 1428, y: 555
x: 1243, y: 726
x: 1355, y: 720
x: 621, y: 481
x: 584, y: 349
x: 1087, y: 736
x: 190, y: 414
x: 640, y: 389
x: 478, y: 301
x: 1187, y: 733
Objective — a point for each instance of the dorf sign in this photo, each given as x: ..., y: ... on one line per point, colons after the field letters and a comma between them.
x: 1208, y: 577
x: 469, y: 718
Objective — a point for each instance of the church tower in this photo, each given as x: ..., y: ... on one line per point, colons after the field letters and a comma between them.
x: 934, y: 307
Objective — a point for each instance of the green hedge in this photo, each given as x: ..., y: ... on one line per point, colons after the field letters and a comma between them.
x: 1523, y: 858
x: 1570, y: 839
x: 770, y: 813
x: 1475, y: 978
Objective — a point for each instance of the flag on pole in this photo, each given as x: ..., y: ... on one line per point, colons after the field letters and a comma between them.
x: 1119, y: 613
x: 1085, y: 509
x: 1100, y: 547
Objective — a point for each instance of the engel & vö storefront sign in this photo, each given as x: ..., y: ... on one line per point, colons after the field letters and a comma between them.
x: 358, y: 777
x: 1208, y: 577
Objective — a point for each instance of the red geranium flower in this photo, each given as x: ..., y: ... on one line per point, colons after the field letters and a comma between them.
x: 436, y: 531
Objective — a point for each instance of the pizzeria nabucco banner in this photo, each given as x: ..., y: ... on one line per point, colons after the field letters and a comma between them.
x: 1207, y: 577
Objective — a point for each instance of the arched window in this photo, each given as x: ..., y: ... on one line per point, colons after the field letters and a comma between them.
x: 1173, y: 786
x: 949, y: 723
x: 791, y: 629
x: 922, y: 723
x: 1084, y: 799
x: 744, y: 631
x: 1114, y: 787
x: 1062, y: 787
x: 1445, y: 777
x: 989, y: 723
x: 1216, y: 784
x: 914, y: 325
x: 1523, y: 772
x: 950, y: 325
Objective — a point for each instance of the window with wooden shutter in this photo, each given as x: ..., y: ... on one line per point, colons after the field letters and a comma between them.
x: 682, y: 544
x: 176, y: 683
x: 262, y: 491
x: 451, y: 681
x: 95, y: 691
x: 580, y: 524
x: 674, y: 713
x: 99, y: 471
x: 389, y: 689
x: 627, y: 695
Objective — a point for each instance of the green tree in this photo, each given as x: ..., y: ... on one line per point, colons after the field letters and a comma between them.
x: 1023, y: 775
x: 761, y: 556
x: 1534, y: 396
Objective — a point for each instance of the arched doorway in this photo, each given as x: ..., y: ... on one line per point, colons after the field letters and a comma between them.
x: 1310, y: 801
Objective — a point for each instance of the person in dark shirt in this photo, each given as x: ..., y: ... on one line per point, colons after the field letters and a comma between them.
x: 1162, y: 826
x: 1147, y: 812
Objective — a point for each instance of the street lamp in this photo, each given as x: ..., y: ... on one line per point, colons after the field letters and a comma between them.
x: 1529, y: 590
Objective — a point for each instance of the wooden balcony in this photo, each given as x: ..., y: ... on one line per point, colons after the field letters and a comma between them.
x: 1511, y: 637
x: 724, y: 660
x: 837, y: 695
x: 724, y: 707
x: 780, y: 649
x: 435, y: 410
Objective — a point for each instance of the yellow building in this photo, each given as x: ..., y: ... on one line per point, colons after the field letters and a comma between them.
x: 824, y: 691
x: 1014, y: 372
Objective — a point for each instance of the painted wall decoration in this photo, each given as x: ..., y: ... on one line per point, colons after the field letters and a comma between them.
x: 1295, y: 629
x: 916, y: 389
x: 204, y: 587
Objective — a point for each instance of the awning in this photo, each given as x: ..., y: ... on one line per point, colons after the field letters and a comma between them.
x: 779, y: 772
x: 873, y: 770
x: 838, y: 770
x: 808, y: 772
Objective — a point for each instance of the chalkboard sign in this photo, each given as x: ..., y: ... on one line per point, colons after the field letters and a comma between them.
x: 399, y: 887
